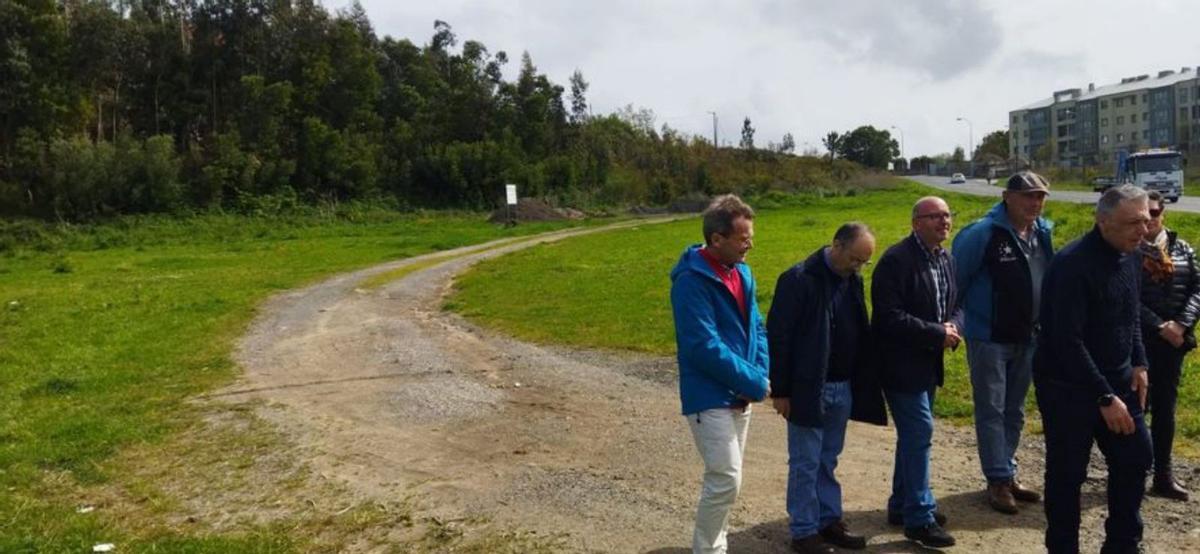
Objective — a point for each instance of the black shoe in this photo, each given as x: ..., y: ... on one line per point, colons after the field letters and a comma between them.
x: 839, y: 535
x: 1135, y: 549
x: 896, y: 519
x: 931, y: 536
x: 1166, y: 486
x: 812, y: 544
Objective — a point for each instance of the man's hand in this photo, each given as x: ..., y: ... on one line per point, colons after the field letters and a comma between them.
x: 1141, y: 384
x: 783, y: 406
x: 1172, y: 332
x: 1117, y: 418
x: 952, y: 337
x: 748, y: 399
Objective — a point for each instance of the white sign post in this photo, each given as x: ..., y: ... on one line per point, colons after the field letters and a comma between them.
x: 510, y: 194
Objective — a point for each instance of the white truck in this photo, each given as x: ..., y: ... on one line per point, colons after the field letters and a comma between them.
x: 1158, y: 169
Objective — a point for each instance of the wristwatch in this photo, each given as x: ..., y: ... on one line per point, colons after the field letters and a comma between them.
x: 1105, y: 400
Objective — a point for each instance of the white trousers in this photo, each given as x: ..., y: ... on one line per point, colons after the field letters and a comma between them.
x: 720, y: 437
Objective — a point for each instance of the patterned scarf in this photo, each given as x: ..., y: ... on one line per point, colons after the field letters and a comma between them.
x: 1156, y: 259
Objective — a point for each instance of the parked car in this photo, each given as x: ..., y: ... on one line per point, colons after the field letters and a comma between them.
x: 957, y: 178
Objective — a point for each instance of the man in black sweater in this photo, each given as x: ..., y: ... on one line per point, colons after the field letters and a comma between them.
x: 1090, y: 374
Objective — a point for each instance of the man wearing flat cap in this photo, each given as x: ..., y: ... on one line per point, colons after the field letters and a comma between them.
x: 1001, y: 259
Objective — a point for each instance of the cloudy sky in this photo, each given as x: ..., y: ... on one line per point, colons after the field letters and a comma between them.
x: 812, y: 66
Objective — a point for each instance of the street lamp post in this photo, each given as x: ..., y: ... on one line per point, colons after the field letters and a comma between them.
x: 714, y: 114
x: 901, y: 131
x: 970, y: 142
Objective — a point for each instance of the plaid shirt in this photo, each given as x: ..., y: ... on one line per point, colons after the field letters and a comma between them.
x: 940, y: 269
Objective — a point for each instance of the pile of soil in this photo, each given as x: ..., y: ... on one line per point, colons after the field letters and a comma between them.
x: 533, y: 209
x: 647, y: 210
x: 689, y: 204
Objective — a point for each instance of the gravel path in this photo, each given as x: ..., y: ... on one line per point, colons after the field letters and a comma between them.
x: 385, y: 392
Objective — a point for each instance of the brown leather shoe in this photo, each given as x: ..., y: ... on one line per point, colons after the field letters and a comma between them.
x: 839, y: 535
x: 1166, y: 486
x: 1020, y: 492
x: 1000, y: 498
x: 812, y: 544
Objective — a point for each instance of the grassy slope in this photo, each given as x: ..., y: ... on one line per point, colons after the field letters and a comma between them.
x: 103, y: 338
x: 611, y: 290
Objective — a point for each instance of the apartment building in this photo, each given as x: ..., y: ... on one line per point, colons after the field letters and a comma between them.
x: 1077, y: 127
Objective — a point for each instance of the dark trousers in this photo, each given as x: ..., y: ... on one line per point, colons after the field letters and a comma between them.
x: 1165, y: 363
x: 1072, y: 423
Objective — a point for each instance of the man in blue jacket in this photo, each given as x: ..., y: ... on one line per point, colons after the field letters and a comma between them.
x: 1001, y: 259
x: 823, y: 375
x: 722, y: 352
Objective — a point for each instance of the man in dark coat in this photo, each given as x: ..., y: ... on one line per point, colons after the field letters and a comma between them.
x: 822, y: 375
x: 916, y: 319
x: 1089, y: 373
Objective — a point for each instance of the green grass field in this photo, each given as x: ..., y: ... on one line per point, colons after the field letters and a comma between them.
x: 106, y: 331
x: 611, y: 290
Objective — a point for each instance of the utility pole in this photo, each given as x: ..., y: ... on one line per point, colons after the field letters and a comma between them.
x: 970, y: 142
x: 715, y: 143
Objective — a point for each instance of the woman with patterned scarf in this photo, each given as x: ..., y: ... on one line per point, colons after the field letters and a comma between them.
x: 1170, y: 304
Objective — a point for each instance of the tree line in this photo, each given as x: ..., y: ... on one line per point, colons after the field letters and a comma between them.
x: 136, y: 106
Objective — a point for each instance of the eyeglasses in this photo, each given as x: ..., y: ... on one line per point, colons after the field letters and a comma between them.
x: 744, y: 241
x: 1156, y: 213
x: 947, y: 216
x: 859, y: 262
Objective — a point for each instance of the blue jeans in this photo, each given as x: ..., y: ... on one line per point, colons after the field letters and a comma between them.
x: 1073, y: 423
x: 814, y: 497
x: 911, y: 495
x: 1000, y: 378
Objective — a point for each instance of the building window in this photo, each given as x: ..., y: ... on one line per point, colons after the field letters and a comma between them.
x: 1118, y: 102
x: 1103, y: 139
x: 1133, y: 118
x: 1196, y: 111
x: 1146, y: 135
x: 1014, y: 120
x: 1133, y: 99
x: 1025, y: 133
x: 1104, y: 104
x: 1120, y: 137
x: 1104, y: 122
x: 1143, y: 98
x: 1183, y: 95
x: 1182, y: 113
x: 1120, y: 120
x: 1145, y: 116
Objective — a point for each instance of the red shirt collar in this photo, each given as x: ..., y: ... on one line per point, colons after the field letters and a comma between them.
x: 716, y: 264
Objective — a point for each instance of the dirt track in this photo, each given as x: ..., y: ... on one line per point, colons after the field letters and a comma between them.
x: 385, y: 392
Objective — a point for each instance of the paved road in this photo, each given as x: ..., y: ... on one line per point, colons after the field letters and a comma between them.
x: 981, y: 188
